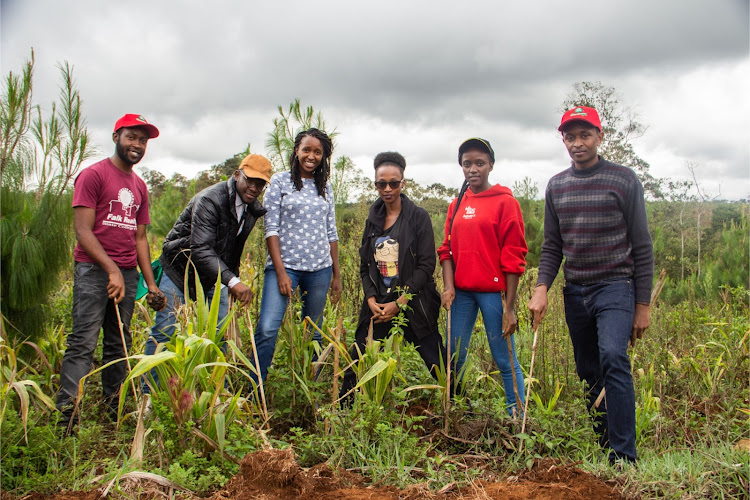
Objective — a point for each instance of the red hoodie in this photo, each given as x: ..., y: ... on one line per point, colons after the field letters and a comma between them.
x: 487, y: 240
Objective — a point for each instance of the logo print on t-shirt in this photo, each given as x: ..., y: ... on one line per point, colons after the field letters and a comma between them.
x: 470, y: 212
x: 125, y: 198
x: 386, y: 257
x: 124, y: 216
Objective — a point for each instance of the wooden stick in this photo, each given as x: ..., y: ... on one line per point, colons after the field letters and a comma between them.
x: 125, y: 350
x: 291, y: 350
x: 257, y: 365
x: 233, y: 331
x: 336, y: 367
x: 448, y: 364
x: 528, y: 391
x: 513, y: 373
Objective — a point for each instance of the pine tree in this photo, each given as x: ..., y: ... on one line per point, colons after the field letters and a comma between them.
x: 39, y: 158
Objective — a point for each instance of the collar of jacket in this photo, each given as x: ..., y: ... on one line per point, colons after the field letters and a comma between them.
x: 255, y: 208
x: 374, y: 228
x: 377, y: 211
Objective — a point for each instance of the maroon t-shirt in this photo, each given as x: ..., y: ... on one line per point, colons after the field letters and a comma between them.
x: 121, y: 204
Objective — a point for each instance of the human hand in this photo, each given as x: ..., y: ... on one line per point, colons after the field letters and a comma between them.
x: 389, y: 310
x: 116, y: 286
x: 284, y: 281
x: 641, y: 321
x: 156, y: 299
x: 446, y: 299
x: 375, y: 308
x: 538, y: 305
x: 242, y: 292
x: 335, y: 289
x: 510, y: 323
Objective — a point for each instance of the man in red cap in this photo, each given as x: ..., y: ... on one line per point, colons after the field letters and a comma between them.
x: 595, y: 217
x: 110, y: 205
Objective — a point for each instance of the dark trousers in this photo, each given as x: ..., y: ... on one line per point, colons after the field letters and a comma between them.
x: 430, y: 348
x: 600, y: 320
x: 92, y: 311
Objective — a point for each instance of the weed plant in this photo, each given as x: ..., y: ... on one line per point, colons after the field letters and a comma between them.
x: 690, y: 373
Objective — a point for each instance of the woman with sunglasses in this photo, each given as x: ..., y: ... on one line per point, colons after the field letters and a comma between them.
x: 397, y: 262
x: 482, y: 256
x: 302, y: 241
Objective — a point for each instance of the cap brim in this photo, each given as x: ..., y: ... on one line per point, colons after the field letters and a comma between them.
x: 255, y: 175
x: 582, y: 120
x: 476, y: 143
x: 153, y: 132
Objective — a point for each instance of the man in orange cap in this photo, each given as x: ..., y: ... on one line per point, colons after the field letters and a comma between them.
x: 209, y: 237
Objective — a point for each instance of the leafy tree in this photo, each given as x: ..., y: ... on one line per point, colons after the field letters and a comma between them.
x: 526, y: 192
x: 39, y: 158
x: 155, y: 181
x: 620, y: 126
x: 348, y: 181
x: 731, y: 257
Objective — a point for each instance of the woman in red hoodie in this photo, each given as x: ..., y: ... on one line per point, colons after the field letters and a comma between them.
x: 483, y: 255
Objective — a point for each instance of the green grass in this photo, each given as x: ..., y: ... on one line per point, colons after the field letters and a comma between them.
x: 690, y: 374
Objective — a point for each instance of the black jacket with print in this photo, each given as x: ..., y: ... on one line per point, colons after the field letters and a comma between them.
x: 416, y: 265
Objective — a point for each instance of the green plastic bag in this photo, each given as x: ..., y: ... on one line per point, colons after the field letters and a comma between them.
x: 142, y: 288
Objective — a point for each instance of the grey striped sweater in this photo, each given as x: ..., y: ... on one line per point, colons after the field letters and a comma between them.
x: 596, y: 219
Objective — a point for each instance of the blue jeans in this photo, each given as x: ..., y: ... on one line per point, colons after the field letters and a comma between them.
x: 94, y: 310
x: 464, y: 316
x: 165, y: 320
x: 600, y: 320
x: 313, y: 287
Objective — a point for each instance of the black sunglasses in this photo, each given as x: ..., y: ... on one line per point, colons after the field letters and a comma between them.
x: 255, y: 182
x: 383, y: 184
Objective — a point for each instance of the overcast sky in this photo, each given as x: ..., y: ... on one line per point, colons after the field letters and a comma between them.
x: 418, y: 77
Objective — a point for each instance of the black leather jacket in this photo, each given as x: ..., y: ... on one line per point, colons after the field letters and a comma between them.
x: 206, y: 234
x: 416, y: 264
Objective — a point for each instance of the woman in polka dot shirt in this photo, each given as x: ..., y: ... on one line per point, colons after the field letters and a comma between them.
x: 302, y: 241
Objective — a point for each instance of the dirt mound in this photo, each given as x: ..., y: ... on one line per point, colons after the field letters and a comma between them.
x: 548, y: 479
x: 274, y: 474
x: 91, y: 495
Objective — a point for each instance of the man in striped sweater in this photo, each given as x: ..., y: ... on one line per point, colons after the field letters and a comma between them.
x: 595, y: 217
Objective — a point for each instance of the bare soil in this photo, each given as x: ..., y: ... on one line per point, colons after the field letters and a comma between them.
x: 275, y: 475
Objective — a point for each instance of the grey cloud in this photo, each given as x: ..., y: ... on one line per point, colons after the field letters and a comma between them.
x: 215, y: 73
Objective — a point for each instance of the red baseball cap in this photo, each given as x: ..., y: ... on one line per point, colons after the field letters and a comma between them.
x: 133, y: 120
x: 581, y: 114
